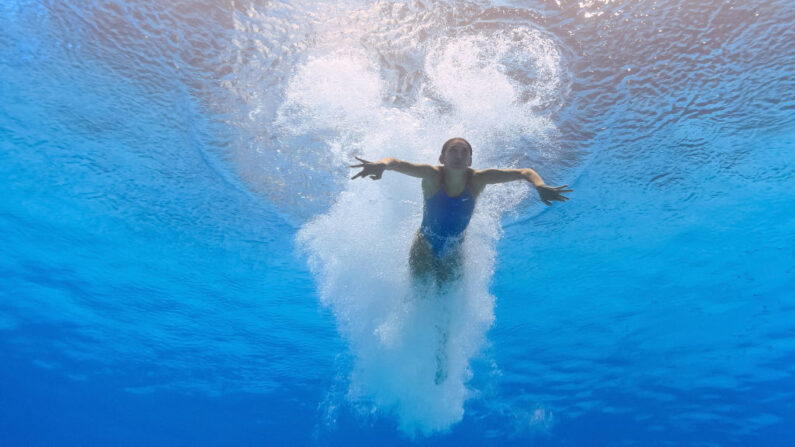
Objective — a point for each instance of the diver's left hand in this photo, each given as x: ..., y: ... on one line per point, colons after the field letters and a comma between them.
x: 550, y: 194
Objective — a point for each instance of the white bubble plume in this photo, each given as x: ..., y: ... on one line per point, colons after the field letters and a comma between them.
x: 400, y: 338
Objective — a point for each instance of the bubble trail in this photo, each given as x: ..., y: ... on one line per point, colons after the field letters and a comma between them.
x: 412, y: 349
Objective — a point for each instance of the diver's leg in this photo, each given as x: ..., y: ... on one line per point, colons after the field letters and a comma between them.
x: 422, y: 261
x: 441, y: 354
x: 426, y: 269
x: 450, y: 268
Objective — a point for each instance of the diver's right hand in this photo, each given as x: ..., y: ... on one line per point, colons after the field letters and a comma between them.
x: 374, y: 170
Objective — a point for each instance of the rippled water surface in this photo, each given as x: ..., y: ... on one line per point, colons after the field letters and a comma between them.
x: 184, y: 260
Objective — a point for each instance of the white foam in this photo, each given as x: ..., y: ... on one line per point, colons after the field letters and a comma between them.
x: 358, y: 250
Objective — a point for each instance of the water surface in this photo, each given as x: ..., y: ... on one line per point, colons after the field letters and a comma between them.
x: 185, y: 262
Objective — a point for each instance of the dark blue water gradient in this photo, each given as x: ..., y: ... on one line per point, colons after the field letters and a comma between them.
x: 151, y: 294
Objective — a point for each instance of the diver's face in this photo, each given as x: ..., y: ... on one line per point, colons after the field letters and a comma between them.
x: 456, y: 157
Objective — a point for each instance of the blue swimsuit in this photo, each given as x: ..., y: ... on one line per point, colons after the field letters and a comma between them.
x: 444, y: 218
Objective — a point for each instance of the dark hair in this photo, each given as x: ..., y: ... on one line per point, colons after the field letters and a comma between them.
x: 453, y: 141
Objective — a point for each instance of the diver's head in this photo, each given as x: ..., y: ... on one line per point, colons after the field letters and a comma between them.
x: 456, y: 154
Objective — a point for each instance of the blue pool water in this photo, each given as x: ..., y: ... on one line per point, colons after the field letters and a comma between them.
x: 184, y: 260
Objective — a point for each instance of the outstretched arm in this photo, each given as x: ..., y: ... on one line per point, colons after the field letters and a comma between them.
x: 376, y: 169
x: 490, y: 176
x: 547, y: 194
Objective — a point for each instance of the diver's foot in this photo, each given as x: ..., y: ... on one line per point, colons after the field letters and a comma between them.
x: 441, y: 370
